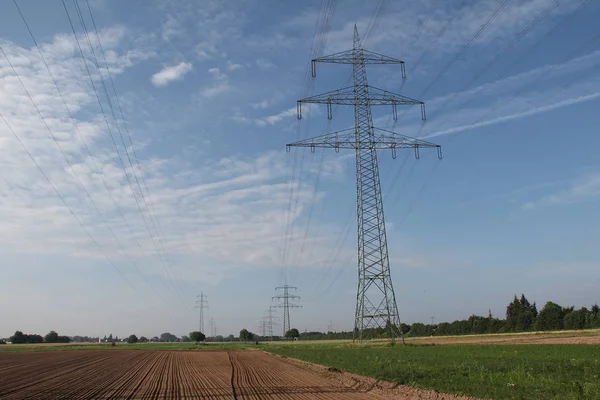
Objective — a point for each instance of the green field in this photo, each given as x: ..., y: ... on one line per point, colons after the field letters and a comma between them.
x: 487, y: 371
x: 498, y: 371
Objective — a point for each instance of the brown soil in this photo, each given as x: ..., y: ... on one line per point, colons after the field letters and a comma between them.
x: 118, y: 374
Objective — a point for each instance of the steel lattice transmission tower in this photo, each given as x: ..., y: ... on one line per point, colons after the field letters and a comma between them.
x: 375, y: 301
x: 272, y: 320
x: 201, y: 304
x: 286, y: 296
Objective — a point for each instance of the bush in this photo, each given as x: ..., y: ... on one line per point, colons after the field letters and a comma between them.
x: 132, y: 339
x: 197, y: 336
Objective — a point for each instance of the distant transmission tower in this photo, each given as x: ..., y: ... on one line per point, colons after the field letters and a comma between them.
x: 201, y: 304
x: 263, y: 327
x: 270, y: 318
x: 213, y: 328
x: 286, y: 296
x: 375, y: 300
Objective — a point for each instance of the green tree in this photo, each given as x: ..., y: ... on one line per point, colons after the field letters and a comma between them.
x: 34, y: 338
x: 579, y: 319
x: 520, y: 315
x: 197, y: 336
x: 132, y: 339
x: 64, y: 339
x: 595, y: 317
x: 143, y: 339
x: 51, y: 337
x: 18, y: 338
x: 167, y: 337
x: 292, y: 333
x: 404, y: 328
x: 420, y: 329
x: 110, y: 338
x: 245, y: 335
x: 550, y: 318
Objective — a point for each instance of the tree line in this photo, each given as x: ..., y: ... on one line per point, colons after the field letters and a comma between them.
x: 521, y: 316
x: 51, y: 337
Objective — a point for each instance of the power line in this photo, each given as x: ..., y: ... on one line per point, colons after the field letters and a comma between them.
x: 62, y: 199
x: 519, y: 36
x: 326, y: 13
x: 520, y: 90
x: 105, y: 221
x: 110, y: 131
x: 465, y: 47
x: 75, y: 174
x: 152, y: 212
x: 499, y: 76
x: 504, y: 73
x: 439, y: 35
x: 376, y: 302
x: 373, y: 23
x: 286, y: 295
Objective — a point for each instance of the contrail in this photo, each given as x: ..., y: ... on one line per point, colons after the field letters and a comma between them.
x: 533, y: 111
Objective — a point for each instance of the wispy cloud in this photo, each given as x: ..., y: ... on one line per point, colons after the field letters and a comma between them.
x: 582, y: 190
x: 264, y: 64
x: 273, y: 119
x: 170, y: 74
x: 512, y: 97
x: 401, y: 22
x: 231, y: 66
x: 229, y: 211
x: 219, y: 86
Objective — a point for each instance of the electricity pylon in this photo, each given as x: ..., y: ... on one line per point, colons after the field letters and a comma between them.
x: 270, y: 318
x: 213, y: 328
x: 375, y: 300
x: 201, y: 304
x: 286, y: 296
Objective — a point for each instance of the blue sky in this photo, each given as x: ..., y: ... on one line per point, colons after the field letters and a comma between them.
x: 208, y: 91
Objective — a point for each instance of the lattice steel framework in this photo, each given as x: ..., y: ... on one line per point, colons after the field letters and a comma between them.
x: 376, y: 307
x: 286, y: 295
x: 201, y: 304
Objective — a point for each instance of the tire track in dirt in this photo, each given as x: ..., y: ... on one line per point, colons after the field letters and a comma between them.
x: 170, y: 375
x: 18, y: 382
x: 95, y: 376
x: 260, y: 376
x: 233, y: 376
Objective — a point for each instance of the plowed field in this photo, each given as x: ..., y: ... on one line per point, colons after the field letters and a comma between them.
x: 121, y: 374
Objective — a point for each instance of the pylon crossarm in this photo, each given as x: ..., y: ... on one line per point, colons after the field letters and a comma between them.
x: 382, y: 139
x: 347, y: 97
x: 352, y: 57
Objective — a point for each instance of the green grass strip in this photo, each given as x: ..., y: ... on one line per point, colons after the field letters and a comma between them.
x: 486, y: 371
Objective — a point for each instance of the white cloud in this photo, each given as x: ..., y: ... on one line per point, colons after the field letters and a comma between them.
x: 401, y: 22
x: 579, y: 191
x: 221, y: 84
x: 216, y: 90
x: 229, y: 211
x: 233, y: 66
x: 273, y: 119
x: 169, y: 74
x: 264, y: 64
